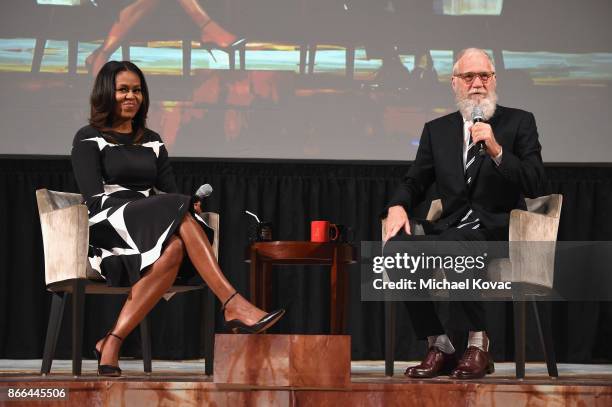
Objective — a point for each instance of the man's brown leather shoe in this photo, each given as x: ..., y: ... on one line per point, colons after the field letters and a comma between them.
x: 435, y: 363
x: 474, y: 364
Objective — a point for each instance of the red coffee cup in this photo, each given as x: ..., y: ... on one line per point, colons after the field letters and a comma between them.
x: 320, y: 231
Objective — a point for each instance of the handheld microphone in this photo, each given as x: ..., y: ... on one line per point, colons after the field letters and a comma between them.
x: 478, y: 117
x: 203, y: 192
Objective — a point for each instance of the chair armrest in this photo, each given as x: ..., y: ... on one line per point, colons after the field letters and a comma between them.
x: 435, y: 210
x: 532, y: 244
x: 383, y: 224
x: 65, y: 234
x: 212, y: 218
x: 554, y: 207
x: 51, y: 200
x: 549, y: 205
x: 532, y: 227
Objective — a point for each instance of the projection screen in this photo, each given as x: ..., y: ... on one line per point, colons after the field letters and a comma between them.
x: 295, y: 79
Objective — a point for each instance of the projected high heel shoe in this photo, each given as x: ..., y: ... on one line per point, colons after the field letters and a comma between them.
x: 95, y: 61
x: 215, y: 37
x: 237, y: 326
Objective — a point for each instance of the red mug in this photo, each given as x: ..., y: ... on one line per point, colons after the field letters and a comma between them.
x: 320, y: 231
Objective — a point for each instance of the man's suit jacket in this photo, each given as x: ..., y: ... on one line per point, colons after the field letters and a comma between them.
x: 496, y: 190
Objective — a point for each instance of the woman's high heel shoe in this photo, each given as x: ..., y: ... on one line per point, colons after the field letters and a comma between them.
x: 107, y: 370
x: 218, y: 42
x: 264, y: 323
x: 92, y: 65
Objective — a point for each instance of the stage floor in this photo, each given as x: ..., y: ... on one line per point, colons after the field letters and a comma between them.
x: 361, y: 371
x: 184, y: 383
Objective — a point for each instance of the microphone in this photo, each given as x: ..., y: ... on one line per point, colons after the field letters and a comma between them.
x: 203, y: 192
x: 478, y: 117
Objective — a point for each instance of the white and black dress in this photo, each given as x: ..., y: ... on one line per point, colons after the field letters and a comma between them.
x: 130, y: 222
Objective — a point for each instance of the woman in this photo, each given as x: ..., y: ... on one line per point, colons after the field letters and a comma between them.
x: 117, y: 163
x: 212, y: 35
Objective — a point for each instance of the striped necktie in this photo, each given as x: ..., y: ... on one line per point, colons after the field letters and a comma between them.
x: 472, y: 162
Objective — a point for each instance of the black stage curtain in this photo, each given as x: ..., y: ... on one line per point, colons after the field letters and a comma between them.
x: 289, y: 194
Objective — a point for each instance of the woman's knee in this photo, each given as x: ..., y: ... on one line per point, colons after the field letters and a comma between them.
x: 185, y: 221
x: 175, y: 250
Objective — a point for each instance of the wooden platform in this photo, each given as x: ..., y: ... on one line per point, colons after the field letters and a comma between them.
x: 183, y: 383
x: 283, y: 360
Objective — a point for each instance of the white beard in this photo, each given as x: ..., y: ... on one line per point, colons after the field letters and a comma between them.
x: 487, y: 104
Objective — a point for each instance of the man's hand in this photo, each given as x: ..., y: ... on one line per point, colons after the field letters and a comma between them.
x: 397, y: 218
x: 483, y: 132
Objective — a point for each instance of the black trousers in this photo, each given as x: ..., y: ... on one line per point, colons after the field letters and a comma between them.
x: 423, y: 315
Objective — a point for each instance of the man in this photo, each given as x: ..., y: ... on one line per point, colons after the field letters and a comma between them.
x: 478, y: 191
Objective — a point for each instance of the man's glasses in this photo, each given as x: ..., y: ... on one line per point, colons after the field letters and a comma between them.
x: 469, y: 77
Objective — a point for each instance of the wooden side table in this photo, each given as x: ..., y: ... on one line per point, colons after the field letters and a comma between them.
x: 264, y: 255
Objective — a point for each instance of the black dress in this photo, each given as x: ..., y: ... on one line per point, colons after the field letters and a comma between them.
x: 129, y: 220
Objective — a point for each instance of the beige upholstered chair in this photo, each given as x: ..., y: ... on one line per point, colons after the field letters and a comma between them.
x: 531, y: 264
x: 65, y: 232
x: 528, y: 266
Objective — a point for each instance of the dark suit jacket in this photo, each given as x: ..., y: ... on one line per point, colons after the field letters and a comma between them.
x: 496, y: 190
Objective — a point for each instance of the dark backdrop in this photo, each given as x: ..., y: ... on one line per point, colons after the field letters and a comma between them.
x: 290, y: 194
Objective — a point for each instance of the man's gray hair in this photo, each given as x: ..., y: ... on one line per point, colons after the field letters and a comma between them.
x: 466, y: 51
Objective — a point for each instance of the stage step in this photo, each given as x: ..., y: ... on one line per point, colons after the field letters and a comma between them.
x: 283, y: 360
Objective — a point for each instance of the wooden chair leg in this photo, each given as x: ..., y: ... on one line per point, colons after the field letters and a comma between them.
x: 254, y: 278
x: 350, y: 62
x: 55, y: 322
x: 390, y: 310
x: 186, y: 57
x: 242, y: 56
x: 209, y: 332
x: 542, y: 318
x: 125, y: 51
x: 232, y: 59
x: 519, y: 338
x: 78, y: 305
x: 334, y: 323
x: 338, y: 295
x: 342, y: 298
x: 145, y: 343
x: 303, y: 54
x: 39, y: 51
x: 312, y: 52
x: 265, y: 284
x: 73, y: 51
